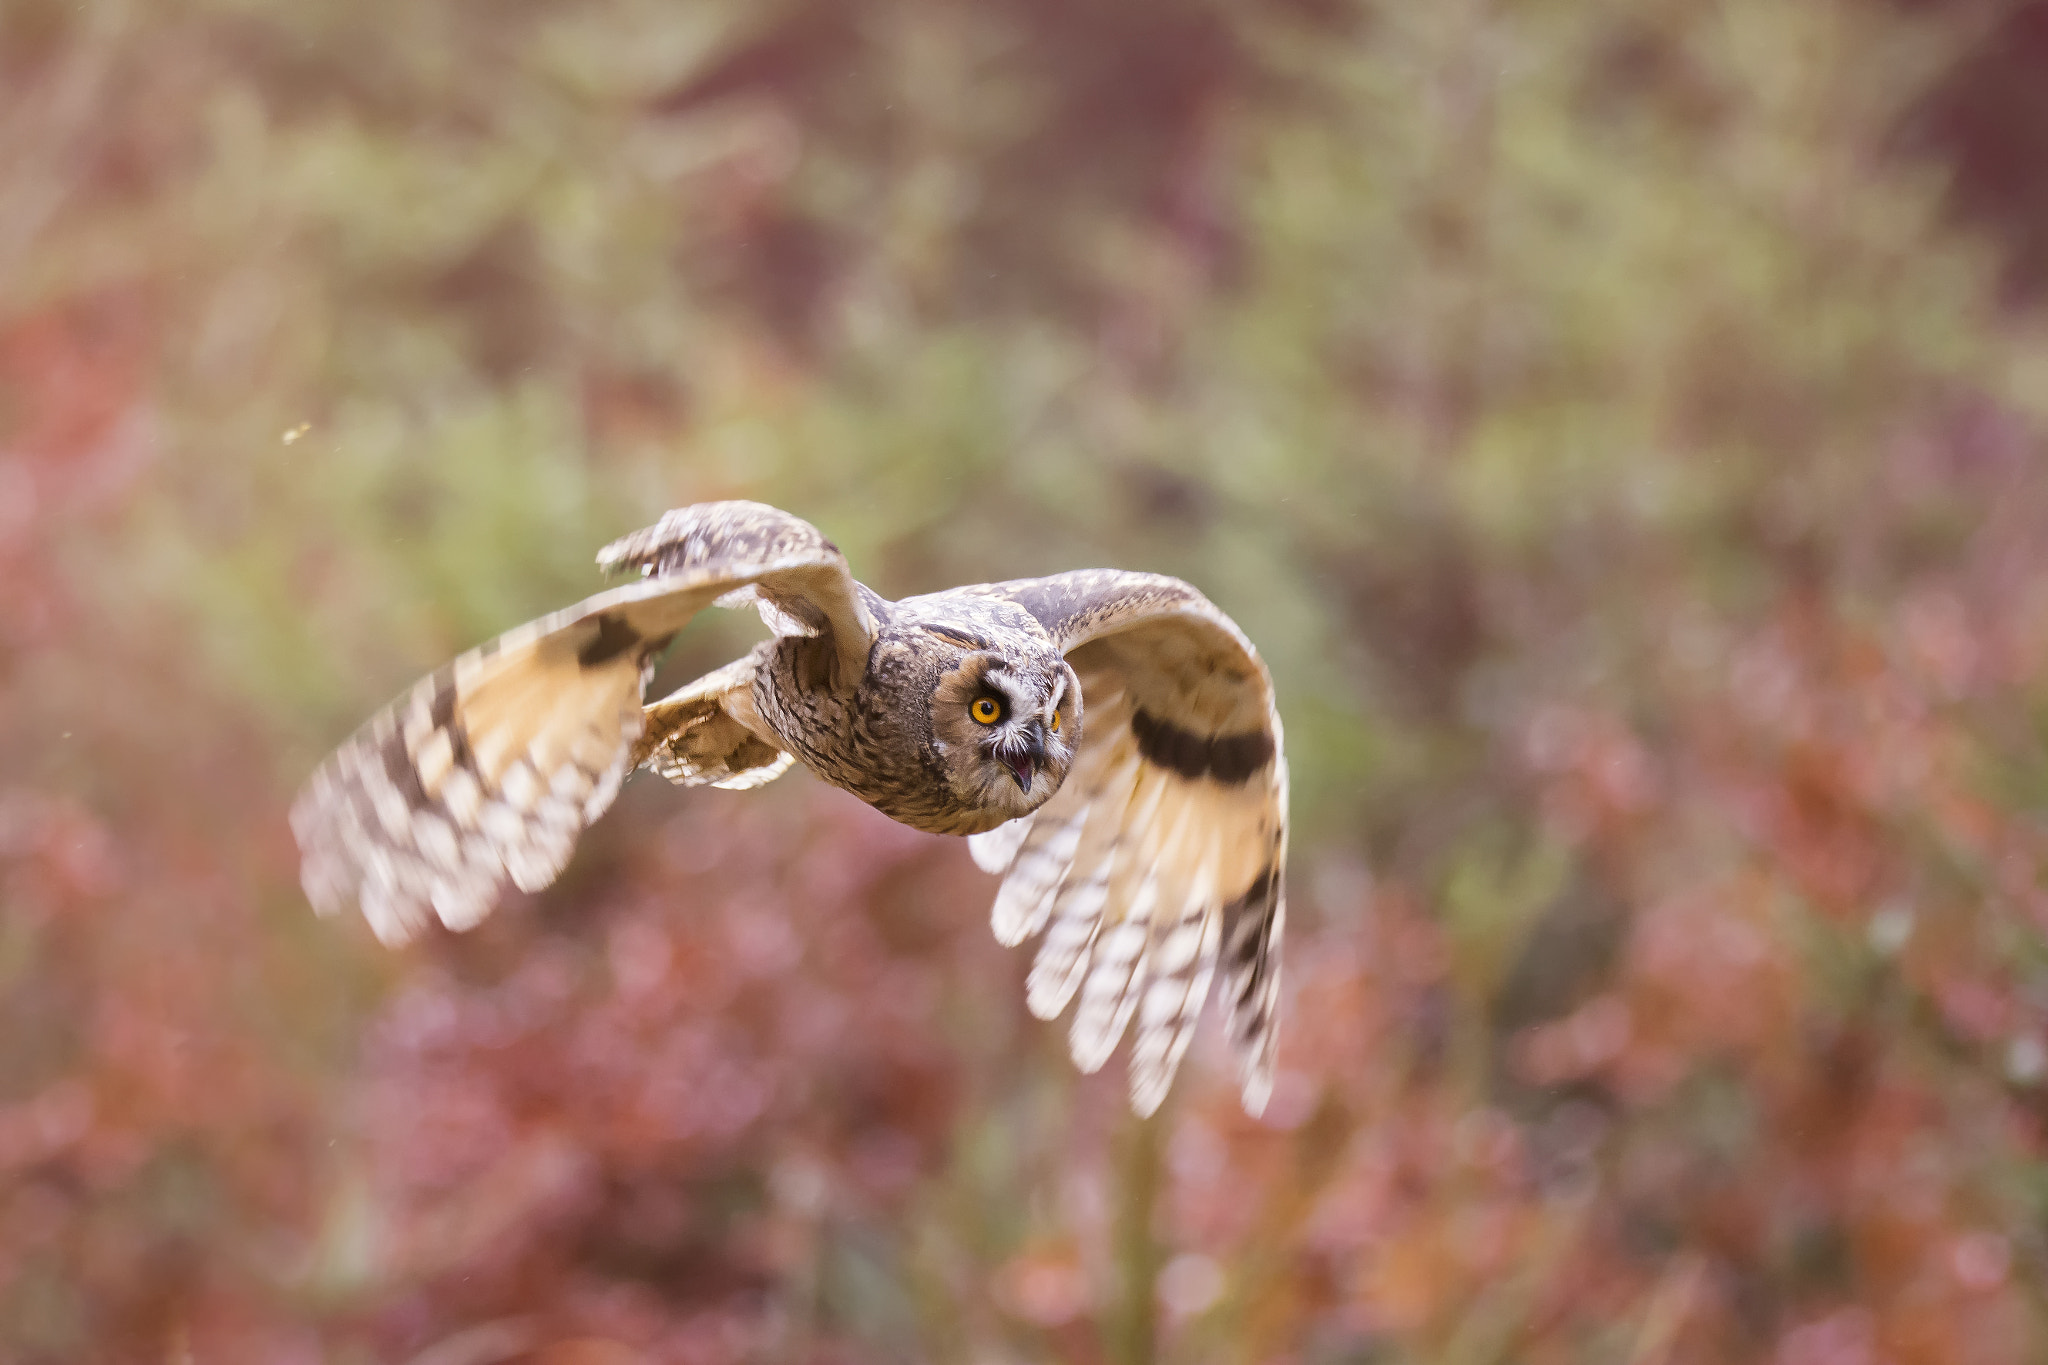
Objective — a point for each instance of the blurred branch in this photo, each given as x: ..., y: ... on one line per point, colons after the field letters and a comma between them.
x: 1669, y: 1307
x: 1131, y: 1329
x: 485, y: 1344
x: 1487, y: 1333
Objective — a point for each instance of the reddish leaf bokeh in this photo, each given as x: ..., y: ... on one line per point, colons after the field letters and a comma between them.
x: 1603, y: 418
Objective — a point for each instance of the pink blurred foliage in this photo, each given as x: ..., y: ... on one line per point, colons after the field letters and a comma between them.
x: 1824, y: 800
x: 753, y: 1049
x: 623, y: 1120
x: 534, y: 1103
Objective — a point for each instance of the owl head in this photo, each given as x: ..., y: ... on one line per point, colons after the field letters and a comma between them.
x: 1007, y: 729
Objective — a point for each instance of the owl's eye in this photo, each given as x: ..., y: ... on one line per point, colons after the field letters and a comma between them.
x: 987, y: 710
x: 1055, y: 722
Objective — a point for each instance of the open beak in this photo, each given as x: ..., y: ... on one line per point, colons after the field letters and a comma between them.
x: 1025, y: 759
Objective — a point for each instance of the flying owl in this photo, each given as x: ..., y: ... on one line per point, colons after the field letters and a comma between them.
x: 1146, y: 842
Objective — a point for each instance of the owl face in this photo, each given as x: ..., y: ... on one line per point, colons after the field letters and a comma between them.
x: 1007, y: 729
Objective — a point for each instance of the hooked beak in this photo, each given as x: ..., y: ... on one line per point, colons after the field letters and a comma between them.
x: 1023, y: 760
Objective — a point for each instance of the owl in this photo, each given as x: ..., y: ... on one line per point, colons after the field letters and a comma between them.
x: 1106, y: 741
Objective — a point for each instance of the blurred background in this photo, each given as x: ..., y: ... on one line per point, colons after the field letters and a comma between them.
x: 1620, y: 425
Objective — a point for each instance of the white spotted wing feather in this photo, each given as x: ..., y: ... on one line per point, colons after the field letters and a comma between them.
x: 489, y: 770
x: 1161, y: 856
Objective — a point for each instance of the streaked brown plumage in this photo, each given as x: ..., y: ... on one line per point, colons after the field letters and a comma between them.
x: 1148, y: 846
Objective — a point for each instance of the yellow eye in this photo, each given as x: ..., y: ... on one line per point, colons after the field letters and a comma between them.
x: 987, y: 710
x: 1055, y: 722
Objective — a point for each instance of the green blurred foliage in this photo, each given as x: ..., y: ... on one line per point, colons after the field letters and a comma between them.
x: 1619, y: 426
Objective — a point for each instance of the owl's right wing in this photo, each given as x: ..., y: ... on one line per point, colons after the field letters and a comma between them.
x: 694, y: 738
x: 1162, y: 854
x: 490, y: 768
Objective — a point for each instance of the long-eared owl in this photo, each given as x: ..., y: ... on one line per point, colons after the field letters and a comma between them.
x: 1145, y: 837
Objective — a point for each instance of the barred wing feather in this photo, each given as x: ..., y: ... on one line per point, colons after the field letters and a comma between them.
x: 489, y: 770
x: 1161, y: 856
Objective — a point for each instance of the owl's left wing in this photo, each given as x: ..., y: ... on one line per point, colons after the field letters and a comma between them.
x: 1163, y: 850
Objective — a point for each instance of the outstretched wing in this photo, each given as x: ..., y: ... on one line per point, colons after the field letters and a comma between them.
x: 490, y: 768
x: 1162, y: 852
